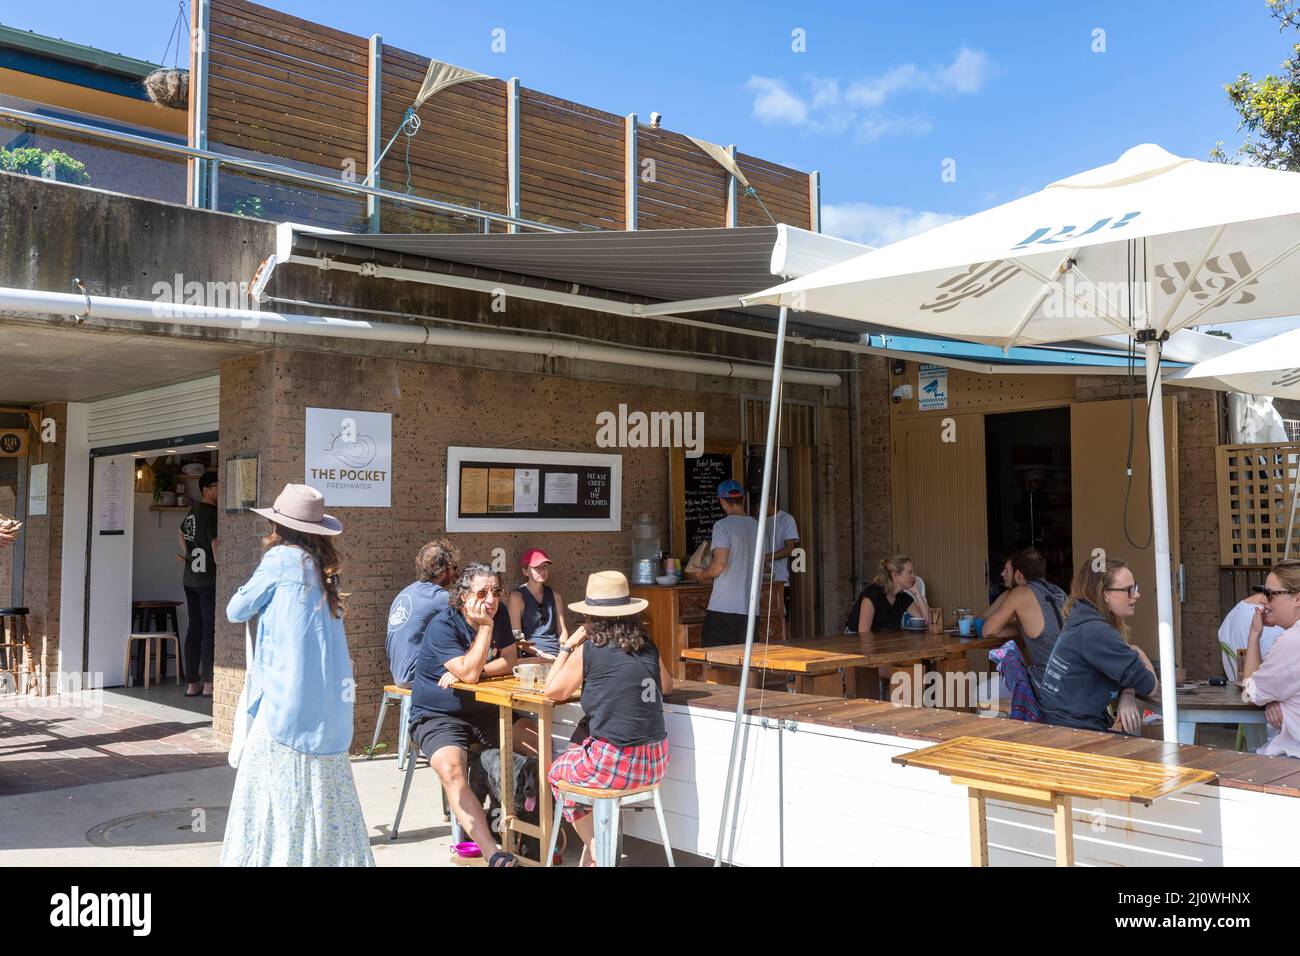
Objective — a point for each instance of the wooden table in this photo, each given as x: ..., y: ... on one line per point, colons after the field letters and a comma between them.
x: 1204, y: 704
x: 1045, y: 777
x: 816, y: 665
x: 507, y: 694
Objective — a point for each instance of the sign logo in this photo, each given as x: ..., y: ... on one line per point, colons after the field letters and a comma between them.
x: 401, y: 612
x: 1040, y: 237
x: 11, y: 443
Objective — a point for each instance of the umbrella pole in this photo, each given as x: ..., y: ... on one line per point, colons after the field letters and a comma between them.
x: 731, y: 795
x: 1160, y: 536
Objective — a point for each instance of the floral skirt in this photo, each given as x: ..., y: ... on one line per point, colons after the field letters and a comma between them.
x: 293, y: 809
x: 599, y: 764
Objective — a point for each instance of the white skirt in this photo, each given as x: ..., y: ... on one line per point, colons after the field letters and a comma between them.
x: 293, y: 809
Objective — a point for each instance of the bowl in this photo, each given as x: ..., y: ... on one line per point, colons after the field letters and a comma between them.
x: 667, y: 580
x: 468, y: 850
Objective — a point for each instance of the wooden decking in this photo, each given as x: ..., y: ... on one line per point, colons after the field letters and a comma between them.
x: 1279, y: 775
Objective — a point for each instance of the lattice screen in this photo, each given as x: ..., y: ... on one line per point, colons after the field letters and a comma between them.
x: 1257, y: 487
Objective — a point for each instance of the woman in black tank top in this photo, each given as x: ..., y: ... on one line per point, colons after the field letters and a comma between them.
x: 617, y: 667
x: 536, y: 614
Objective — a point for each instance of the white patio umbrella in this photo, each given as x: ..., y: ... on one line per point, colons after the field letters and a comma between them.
x: 1270, y: 367
x: 1144, y: 246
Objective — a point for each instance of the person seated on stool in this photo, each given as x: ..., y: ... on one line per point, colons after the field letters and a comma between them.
x: 416, y: 605
x: 1034, y: 608
x: 623, y: 680
x: 888, y: 598
x: 463, y: 643
x: 536, y: 609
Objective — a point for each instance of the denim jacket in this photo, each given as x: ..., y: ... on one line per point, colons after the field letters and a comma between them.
x: 300, y: 681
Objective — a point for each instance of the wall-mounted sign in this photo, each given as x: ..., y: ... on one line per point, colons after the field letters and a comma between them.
x: 512, y: 489
x: 38, y: 490
x: 350, y: 457
x: 13, y: 443
x: 110, y: 493
x: 932, y: 389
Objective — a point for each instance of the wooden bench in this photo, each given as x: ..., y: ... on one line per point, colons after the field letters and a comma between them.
x: 1045, y: 777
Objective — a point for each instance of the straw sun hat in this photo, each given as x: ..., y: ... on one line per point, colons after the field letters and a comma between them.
x: 608, y: 596
x: 301, y: 508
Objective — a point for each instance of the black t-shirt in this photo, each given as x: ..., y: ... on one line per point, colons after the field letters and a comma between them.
x: 886, y: 617
x: 447, y: 637
x: 199, y: 529
x: 621, y: 695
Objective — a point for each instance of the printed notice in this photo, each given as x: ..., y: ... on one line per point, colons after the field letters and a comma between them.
x: 110, y: 485
x: 38, y: 483
x: 473, y: 491
x: 501, y: 490
x: 526, y: 490
x: 561, y: 488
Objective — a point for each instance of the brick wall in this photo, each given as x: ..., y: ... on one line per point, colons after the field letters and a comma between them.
x: 263, y: 398
x: 42, y: 570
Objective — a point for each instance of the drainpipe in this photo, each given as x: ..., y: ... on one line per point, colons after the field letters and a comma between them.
x: 166, y: 313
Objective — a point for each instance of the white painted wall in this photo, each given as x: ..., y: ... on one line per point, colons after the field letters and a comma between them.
x: 109, y: 619
x: 156, y: 574
x: 76, y: 504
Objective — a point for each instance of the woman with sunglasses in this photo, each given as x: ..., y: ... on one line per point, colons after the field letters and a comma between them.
x: 1093, y: 663
x: 1274, y: 683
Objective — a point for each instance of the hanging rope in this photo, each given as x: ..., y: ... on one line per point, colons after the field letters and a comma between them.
x: 751, y: 191
x: 178, y: 31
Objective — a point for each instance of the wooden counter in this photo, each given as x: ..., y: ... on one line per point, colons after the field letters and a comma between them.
x: 675, y: 617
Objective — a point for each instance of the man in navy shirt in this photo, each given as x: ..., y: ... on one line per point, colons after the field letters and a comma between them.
x: 466, y: 643
x: 416, y: 605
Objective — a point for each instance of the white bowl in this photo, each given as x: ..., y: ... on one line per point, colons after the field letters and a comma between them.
x: 667, y: 580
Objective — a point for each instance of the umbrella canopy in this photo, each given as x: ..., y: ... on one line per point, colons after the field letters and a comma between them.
x: 1068, y: 261
x: 1270, y: 367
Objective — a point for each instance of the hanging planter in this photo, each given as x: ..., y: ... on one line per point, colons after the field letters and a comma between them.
x: 169, y: 87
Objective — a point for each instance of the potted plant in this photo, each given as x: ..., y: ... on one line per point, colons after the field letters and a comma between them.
x: 164, y: 483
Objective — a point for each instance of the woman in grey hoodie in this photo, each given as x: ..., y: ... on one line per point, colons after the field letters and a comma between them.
x: 1093, y: 663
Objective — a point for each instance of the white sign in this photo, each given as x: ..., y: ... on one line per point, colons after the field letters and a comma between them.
x: 38, y: 487
x: 932, y: 389
x: 527, y: 493
x: 110, y: 486
x: 562, y: 487
x: 349, y: 457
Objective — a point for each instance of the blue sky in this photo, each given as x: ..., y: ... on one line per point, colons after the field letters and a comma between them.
x: 883, y: 93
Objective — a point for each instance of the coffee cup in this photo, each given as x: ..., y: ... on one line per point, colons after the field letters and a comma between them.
x: 531, y: 676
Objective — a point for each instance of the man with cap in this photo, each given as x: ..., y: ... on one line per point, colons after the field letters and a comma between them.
x: 536, y: 614
x: 198, y: 540
x: 734, y: 537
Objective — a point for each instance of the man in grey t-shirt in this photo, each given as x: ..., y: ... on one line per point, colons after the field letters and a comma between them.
x: 734, y: 537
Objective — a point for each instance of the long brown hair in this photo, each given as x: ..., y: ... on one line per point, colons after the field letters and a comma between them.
x: 321, y: 549
x: 624, y: 631
x: 1090, y: 585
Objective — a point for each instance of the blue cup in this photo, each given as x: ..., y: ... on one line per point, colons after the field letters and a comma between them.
x: 964, y: 626
x: 979, y: 627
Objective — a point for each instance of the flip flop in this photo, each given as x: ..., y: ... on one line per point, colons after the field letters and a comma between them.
x: 501, y: 858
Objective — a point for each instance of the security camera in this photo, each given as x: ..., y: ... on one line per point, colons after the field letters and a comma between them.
x: 656, y: 119
x: 900, y: 393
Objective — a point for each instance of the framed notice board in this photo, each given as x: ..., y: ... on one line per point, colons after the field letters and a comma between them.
x: 514, y: 489
x: 694, y: 488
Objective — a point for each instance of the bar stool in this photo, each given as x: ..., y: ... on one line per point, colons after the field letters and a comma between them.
x: 457, y: 835
x: 15, y: 647
x: 605, y: 805
x: 159, y: 616
x: 403, y: 697
x: 148, y: 638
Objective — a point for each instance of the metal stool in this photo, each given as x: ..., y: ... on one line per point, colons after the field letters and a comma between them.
x: 457, y: 835
x: 15, y: 648
x: 605, y: 805
x: 403, y: 696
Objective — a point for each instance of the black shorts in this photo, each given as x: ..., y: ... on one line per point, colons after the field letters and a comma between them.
x: 433, y: 732
x: 721, y: 628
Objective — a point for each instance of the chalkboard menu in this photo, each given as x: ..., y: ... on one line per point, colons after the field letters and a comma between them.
x: 695, y: 493
x: 495, y: 489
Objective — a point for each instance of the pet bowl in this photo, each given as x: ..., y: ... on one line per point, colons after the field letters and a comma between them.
x: 468, y: 850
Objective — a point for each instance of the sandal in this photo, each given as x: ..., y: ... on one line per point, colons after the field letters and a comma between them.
x: 502, y: 858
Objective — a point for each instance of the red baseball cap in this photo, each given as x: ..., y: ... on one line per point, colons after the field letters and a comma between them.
x: 533, y: 557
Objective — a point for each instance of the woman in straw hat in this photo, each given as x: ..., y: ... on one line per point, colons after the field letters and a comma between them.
x: 623, y: 682
x: 295, y: 803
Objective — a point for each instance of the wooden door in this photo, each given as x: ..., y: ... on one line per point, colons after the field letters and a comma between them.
x: 1099, y: 437
x: 940, y: 508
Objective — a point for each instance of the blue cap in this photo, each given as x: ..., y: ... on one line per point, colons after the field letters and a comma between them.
x: 731, y: 488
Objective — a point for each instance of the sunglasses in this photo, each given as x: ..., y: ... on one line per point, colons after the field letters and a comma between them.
x: 482, y: 594
x: 1133, y: 590
x: 1269, y: 592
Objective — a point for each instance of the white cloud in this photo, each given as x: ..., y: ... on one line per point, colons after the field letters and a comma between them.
x: 828, y: 106
x: 878, y: 225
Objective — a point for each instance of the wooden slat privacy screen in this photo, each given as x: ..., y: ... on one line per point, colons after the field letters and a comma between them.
x: 1256, y: 486
x: 295, y: 92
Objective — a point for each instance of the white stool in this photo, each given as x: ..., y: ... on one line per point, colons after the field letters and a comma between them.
x: 605, y: 806
x: 403, y: 697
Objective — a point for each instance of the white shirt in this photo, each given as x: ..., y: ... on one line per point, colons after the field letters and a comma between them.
x: 780, y: 529
x: 738, y: 534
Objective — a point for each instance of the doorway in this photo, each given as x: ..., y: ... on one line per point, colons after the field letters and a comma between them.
x: 1027, y: 480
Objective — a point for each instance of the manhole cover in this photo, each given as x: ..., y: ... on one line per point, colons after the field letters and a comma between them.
x: 162, y: 829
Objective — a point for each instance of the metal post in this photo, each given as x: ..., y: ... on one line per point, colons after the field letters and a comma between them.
x: 815, y: 201
x: 731, y: 191
x: 200, y: 20
x: 731, y: 796
x: 374, y: 125
x: 512, y: 148
x: 629, y: 172
x: 213, y: 198
x: 1160, y: 536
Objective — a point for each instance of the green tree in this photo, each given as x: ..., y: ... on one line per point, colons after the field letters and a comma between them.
x: 1270, y: 107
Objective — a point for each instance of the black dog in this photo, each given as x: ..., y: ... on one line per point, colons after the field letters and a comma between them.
x: 485, y: 784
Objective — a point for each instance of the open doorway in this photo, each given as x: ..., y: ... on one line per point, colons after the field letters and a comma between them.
x: 1027, y: 464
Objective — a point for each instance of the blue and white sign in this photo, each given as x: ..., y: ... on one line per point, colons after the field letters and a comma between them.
x: 932, y: 389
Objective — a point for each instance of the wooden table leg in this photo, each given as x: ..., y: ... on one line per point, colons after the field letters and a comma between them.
x: 148, y: 646
x: 1064, y: 832
x: 545, y: 807
x: 505, y: 719
x: 979, y: 828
